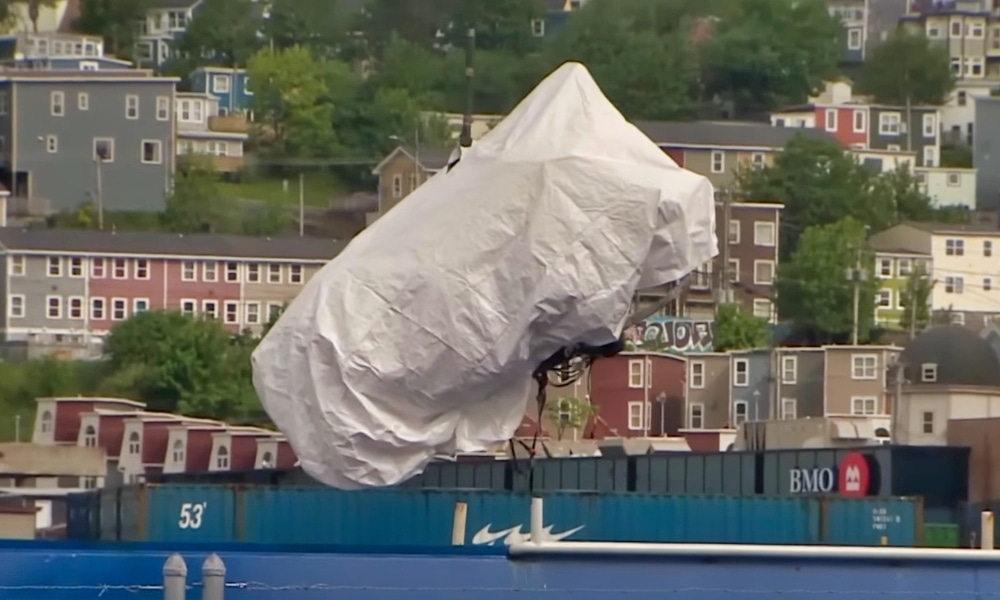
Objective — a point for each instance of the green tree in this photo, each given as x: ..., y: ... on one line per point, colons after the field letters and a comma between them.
x: 568, y: 413
x: 34, y: 9
x: 417, y: 21
x: 295, y: 96
x: 915, y: 300
x: 195, y: 204
x: 908, y: 69
x: 813, y: 290
x: 500, y: 26
x: 224, y: 32
x: 738, y: 329
x: 320, y: 25
x: 115, y: 21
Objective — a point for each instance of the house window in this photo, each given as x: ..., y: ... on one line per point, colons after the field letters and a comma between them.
x: 119, y: 268
x: 53, y: 307
x: 232, y: 312
x: 930, y: 156
x: 930, y: 125
x: 83, y: 101
x: 863, y: 405
x: 176, y: 21
x: 253, y: 273
x: 789, y: 369
x: 956, y: 29
x: 954, y: 247
x: 954, y: 180
x: 885, y: 267
x: 55, y: 266
x: 928, y: 422
x: 757, y: 160
x: 274, y: 273
x: 635, y: 373
x: 888, y: 123
x: 763, y: 309
x: 119, y: 309
x: 189, y: 307
x: 831, y: 119
x: 954, y: 285
x: 884, y: 298
x: 697, y: 374
x: 740, y: 412
x: 134, y: 445
x: 860, y: 121
x: 976, y: 31
x: 538, y: 27
x: 987, y: 284
x: 90, y: 437
x: 76, y: 307
x: 57, y: 103
x: 696, y: 416
x: 397, y: 186
x: 718, y: 161
x: 741, y: 372
x: 222, y: 458
x: 734, y: 232
x: 905, y: 267
x: 220, y: 83
x: 17, y: 266
x: 763, y: 234
x: 162, y: 108
x: 974, y: 67
x: 854, y: 39
x: 789, y: 410
x: 635, y: 416
x: 178, y: 451
x: 131, y: 107
x: 928, y: 372
x: 295, y: 274
x: 141, y: 268
x: 140, y: 305
x: 76, y: 267
x: 189, y: 270
x: 210, y: 309
x: 104, y: 149
x: 232, y: 272
x: 253, y: 313
x: 958, y: 319
x: 864, y: 366
x: 763, y: 272
x: 210, y: 271
x: 734, y: 270
x: 152, y: 152
x: 97, y: 309
x: 16, y: 307
x: 987, y: 248
x: 961, y: 98
x: 51, y: 144
x: 97, y: 268
x: 274, y: 310
x: 47, y: 421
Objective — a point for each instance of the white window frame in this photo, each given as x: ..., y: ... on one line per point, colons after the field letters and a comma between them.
x: 231, y: 312
x: 115, y: 263
x: 77, y: 312
x: 954, y: 180
x: 252, y: 273
x: 634, y: 373
x: 193, y: 311
x: 830, y: 119
x: 157, y: 147
x: 743, y: 381
x: 904, y: 271
x: 737, y: 404
x: 83, y: 101
x: 860, y: 125
x: 766, y: 226
x: 295, y: 274
x: 699, y: 408
x: 232, y: 272
x: 57, y: 103
x: 954, y: 284
x: 110, y: 142
x: 954, y: 247
x: 855, y: 39
x: 210, y: 271
x: 734, y: 227
x: 928, y: 373
x: 929, y: 127
x: 883, y: 299
x: 116, y: 314
x: 718, y: 161
x: 789, y: 369
x: 734, y: 270
x: 98, y: 308
x: 132, y: 107
x: 538, y: 27
x: 49, y: 306
x: 162, y: 108
x: 52, y: 144
x: 140, y: 305
x: 397, y: 186
x: 17, y: 266
x: 252, y: 313
x: 860, y: 404
x: 274, y: 274
x: 12, y: 301
x: 760, y: 263
x: 210, y: 309
x: 763, y: 308
x: 789, y: 409
x: 54, y: 261
x: 98, y: 268
x: 697, y: 375
x: 189, y: 270
x: 225, y: 87
x: 636, y: 421
x: 861, y: 370
x: 140, y: 269
x: 77, y: 268
x: 758, y: 160
x: 889, y: 123
x: 882, y: 264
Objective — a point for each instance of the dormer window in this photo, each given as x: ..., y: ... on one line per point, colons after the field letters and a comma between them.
x: 928, y: 373
x: 267, y: 461
x: 222, y: 458
x: 90, y: 437
x: 134, y: 445
x: 47, y: 422
x: 178, y: 451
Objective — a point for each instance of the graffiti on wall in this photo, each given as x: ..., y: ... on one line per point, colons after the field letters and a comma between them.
x: 671, y: 334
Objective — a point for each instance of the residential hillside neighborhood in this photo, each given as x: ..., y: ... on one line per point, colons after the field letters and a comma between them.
x: 173, y: 176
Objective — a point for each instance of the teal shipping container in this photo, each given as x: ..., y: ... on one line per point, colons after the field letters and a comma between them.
x: 168, y: 513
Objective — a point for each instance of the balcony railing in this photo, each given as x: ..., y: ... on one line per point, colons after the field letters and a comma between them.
x: 228, y: 124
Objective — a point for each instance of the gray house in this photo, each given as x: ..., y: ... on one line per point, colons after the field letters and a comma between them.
x: 68, y: 138
x: 917, y: 129
x: 750, y: 385
x: 986, y: 153
x: 801, y: 374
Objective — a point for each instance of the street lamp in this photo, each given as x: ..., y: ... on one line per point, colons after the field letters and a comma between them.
x: 416, y: 152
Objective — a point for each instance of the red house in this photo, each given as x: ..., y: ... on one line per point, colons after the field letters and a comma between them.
x: 274, y: 453
x: 189, y: 446
x: 639, y: 395
x: 236, y: 449
x: 58, y: 420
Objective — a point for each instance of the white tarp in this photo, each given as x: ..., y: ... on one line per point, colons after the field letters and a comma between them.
x: 421, y: 336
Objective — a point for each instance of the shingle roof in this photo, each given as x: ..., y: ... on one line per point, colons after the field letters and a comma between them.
x: 155, y: 244
x: 954, y: 227
x: 721, y: 134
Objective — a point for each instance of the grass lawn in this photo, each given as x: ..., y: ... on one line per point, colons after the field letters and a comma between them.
x: 319, y: 189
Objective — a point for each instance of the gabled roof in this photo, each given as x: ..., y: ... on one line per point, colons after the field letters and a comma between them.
x: 431, y: 159
x: 132, y: 243
x: 725, y: 134
x: 958, y: 228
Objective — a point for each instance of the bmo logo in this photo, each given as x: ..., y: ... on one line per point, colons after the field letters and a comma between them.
x: 853, y: 478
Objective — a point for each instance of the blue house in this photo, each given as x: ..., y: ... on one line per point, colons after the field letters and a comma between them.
x: 230, y: 86
x: 165, y: 23
x: 57, y: 52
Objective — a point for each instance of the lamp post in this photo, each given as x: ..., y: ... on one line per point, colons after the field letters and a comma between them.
x: 418, y: 179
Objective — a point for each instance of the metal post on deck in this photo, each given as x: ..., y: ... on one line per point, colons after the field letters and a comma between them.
x: 213, y: 578
x: 458, y: 526
x: 537, y: 520
x: 174, y: 578
x: 986, y: 530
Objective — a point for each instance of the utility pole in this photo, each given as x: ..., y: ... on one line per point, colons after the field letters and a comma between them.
x: 897, y: 402
x: 724, y: 294
x: 302, y: 204
x: 465, y: 139
x: 100, y: 193
x: 857, y: 276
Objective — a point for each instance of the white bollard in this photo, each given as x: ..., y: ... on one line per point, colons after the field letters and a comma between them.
x: 986, y: 530
x: 537, y: 520
x: 174, y: 578
x: 458, y: 526
x: 213, y: 578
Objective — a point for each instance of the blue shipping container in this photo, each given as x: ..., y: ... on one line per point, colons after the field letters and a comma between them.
x: 873, y: 522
